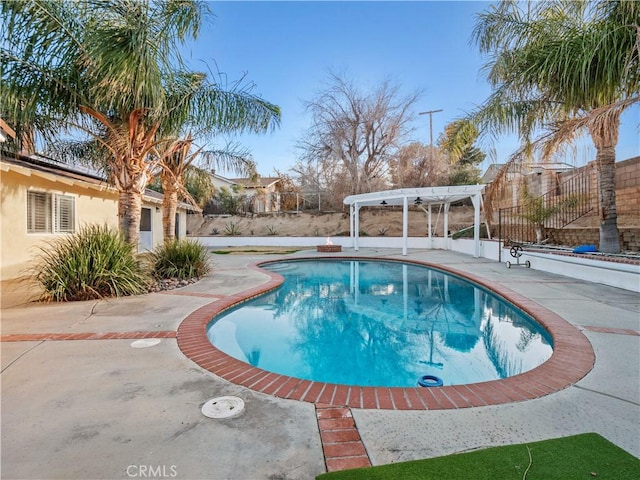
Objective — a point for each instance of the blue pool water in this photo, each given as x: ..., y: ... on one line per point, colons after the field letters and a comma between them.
x: 376, y: 323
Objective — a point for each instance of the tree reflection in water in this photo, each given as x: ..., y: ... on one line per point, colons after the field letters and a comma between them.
x: 381, y: 324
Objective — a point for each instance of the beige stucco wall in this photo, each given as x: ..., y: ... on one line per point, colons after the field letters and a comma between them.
x: 94, y: 204
x: 156, y: 222
x: 17, y: 247
x: 157, y: 234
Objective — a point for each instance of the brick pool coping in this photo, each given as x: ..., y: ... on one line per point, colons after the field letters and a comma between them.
x: 572, y: 358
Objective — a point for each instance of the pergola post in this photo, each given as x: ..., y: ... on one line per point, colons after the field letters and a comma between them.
x: 446, y: 226
x: 429, y: 222
x: 475, y: 199
x: 356, y: 226
x: 352, y: 208
x: 405, y: 224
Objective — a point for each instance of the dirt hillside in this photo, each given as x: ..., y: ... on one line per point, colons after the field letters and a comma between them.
x: 372, y: 222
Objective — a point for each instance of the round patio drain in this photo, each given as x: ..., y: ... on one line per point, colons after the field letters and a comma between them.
x: 146, y: 342
x: 223, y: 407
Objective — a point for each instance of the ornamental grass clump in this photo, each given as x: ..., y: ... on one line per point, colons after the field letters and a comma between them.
x: 95, y: 262
x: 182, y: 259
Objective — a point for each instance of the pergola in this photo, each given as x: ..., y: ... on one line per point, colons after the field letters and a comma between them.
x: 425, y: 197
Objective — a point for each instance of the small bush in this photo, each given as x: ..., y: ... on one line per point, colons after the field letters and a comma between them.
x: 181, y: 259
x: 271, y: 230
x: 383, y: 231
x: 94, y: 263
x: 232, y: 229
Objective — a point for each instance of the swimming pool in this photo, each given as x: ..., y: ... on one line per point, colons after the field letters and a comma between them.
x: 379, y: 323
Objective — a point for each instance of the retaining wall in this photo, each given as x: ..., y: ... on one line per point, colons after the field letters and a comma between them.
x: 629, y: 237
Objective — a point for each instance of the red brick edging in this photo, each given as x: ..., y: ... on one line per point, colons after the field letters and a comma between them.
x: 341, y: 442
x: 572, y: 359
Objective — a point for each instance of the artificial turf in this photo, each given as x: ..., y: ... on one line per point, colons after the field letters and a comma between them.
x: 585, y: 456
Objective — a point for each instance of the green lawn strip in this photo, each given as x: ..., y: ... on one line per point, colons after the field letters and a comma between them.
x: 263, y: 251
x: 586, y: 456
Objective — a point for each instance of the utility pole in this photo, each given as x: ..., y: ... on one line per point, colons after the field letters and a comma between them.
x: 430, y: 113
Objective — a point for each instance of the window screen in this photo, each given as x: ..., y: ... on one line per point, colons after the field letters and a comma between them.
x: 145, y: 220
x: 50, y: 213
x: 38, y: 212
x: 65, y: 214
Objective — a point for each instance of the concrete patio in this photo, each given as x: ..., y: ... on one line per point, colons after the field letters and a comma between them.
x: 97, y: 408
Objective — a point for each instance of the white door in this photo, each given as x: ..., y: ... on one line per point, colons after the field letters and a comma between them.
x: 145, y: 242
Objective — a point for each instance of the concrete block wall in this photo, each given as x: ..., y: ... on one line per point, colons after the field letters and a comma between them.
x: 629, y: 237
x: 627, y: 186
x: 628, y: 201
x: 628, y: 173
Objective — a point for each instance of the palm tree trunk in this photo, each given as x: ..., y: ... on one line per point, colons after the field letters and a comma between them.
x: 27, y: 142
x: 605, y: 137
x: 129, y: 212
x: 169, y: 208
x: 605, y: 159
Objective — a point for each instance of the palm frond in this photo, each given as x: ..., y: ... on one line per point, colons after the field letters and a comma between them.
x: 231, y: 157
x: 458, y: 137
x: 600, y: 119
x: 520, y: 157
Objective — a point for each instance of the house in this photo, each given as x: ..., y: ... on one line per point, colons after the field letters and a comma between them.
x: 262, y: 193
x: 42, y: 200
x: 538, y: 177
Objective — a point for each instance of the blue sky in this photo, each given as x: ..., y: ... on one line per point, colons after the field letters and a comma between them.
x: 287, y: 48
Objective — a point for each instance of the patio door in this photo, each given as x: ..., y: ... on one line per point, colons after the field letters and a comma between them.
x: 145, y: 243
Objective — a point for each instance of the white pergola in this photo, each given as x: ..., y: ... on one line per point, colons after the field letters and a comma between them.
x: 425, y: 197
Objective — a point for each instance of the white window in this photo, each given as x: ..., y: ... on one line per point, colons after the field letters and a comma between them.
x: 65, y: 214
x: 50, y: 213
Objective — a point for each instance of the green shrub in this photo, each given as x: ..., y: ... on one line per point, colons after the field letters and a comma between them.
x: 94, y: 263
x: 181, y: 259
x: 232, y: 229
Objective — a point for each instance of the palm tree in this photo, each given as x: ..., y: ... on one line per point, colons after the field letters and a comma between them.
x: 176, y: 162
x: 458, y: 142
x: 115, y: 62
x: 211, y: 109
x: 108, y: 57
x: 554, y: 65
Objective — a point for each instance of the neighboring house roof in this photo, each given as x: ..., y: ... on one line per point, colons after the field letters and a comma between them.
x: 493, y: 169
x: 222, y: 179
x: 156, y: 197
x: 261, y: 182
x: 556, y: 167
x: 53, y: 170
x: 491, y: 172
